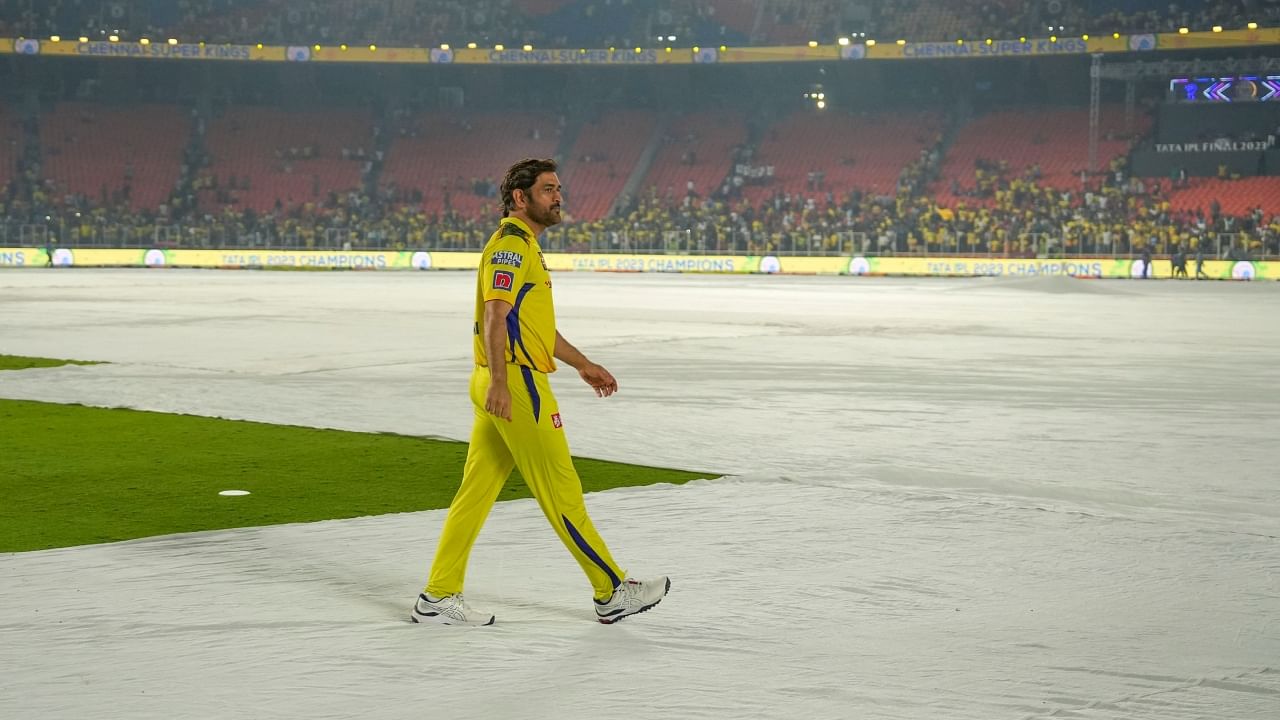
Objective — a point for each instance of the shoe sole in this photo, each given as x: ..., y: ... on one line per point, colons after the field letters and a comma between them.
x: 429, y: 620
x: 612, y: 620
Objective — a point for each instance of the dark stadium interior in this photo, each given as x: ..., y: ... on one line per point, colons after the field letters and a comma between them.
x: 981, y: 155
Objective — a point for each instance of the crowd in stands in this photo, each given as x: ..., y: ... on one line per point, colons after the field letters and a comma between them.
x: 222, y: 182
x: 927, y: 20
x: 1010, y: 215
x: 1007, y: 214
x: 606, y: 23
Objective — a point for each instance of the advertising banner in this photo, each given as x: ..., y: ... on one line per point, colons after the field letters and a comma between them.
x: 565, y: 262
x: 885, y: 49
x: 158, y: 50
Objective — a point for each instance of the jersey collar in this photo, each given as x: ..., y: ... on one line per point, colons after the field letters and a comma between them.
x: 520, y: 224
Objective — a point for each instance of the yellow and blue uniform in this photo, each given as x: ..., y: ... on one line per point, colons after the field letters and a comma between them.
x: 512, y: 270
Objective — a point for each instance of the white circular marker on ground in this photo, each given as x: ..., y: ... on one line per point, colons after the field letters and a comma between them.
x: 234, y: 493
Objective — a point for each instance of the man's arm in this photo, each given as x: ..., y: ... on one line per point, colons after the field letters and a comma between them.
x: 596, y: 376
x: 498, y: 400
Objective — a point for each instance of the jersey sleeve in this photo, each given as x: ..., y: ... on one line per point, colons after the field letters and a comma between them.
x: 503, y: 268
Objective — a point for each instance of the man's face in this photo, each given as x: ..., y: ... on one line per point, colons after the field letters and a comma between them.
x: 543, y: 204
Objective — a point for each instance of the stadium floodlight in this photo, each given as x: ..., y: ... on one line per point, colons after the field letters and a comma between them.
x: 55, y: 38
x: 638, y: 51
x: 822, y: 104
x: 1022, y: 39
x: 1115, y: 35
x: 1217, y: 28
x: 696, y: 49
x: 527, y: 47
x: 373, y: 48
x: 499, y: 47
x: 1252, y: 26
x: 1183, y: 31
x: 343, y: 47
x: 144, y: 41
x: 1085, y: 37
x: 84, y: 39
x: 173, y: 41
x: 1053, y: 38
x: 668, y: 48
x: 671, y: 38
x: 901, y: 41
x: 314, y: 47
x: 989, y: 41
x: 959, y: 41
x: 114, y: 38
x: 871, y: 43
x: 724, y: 48
x: 843, y: 41
x: 471, y: 46
x: 813, y: 43
x: 444, y: 46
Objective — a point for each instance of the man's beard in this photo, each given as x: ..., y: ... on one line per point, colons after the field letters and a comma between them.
x: 546, y: 217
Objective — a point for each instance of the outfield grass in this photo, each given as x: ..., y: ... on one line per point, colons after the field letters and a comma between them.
x: 17, y: 362
x: 74, y: 475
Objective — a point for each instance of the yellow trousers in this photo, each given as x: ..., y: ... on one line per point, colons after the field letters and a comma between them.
x: 534, y: 442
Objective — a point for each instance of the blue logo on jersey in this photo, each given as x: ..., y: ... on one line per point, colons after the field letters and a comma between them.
x: 507, y: 257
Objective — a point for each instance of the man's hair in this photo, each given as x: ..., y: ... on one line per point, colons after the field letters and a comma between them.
x: 522, y: 176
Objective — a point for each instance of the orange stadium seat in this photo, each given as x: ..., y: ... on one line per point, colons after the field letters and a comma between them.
x: 10, y: 144
x: 1055, y: 139
x: 854, y: 152
x: 244, y: 143
x: 601, y: 160
x: 712, y: 136
x: 452, y: 150
x: 89, y: 148
x: 1235, y: 197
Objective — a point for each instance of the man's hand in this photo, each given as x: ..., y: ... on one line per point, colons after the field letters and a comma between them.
x: 498, y: 401
x: 599, y: 379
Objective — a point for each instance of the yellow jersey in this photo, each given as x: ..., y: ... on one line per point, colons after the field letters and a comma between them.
x: 512, y: 269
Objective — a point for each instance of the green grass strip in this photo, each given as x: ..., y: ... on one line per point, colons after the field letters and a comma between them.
x: 17, y: 362
x: 75, y: 475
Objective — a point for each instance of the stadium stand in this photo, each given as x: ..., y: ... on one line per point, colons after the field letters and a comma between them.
x: 433, y: 160
x: 127, y: 154
x: 603, y: 23
x: 692, y: 22
x: 1006, y: 182
x: 261, y: 158
x: 852, y: 152
x: 1230, y: 197
x: 1052, y: 143
x: 601, y: 160
x: 698, y: 148
x: 11, y: 145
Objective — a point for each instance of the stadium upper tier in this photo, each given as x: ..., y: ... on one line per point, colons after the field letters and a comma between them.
x: 605, y: 23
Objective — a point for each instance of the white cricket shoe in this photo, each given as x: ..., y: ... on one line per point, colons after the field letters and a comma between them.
x: 631, y: 597
x: 448, y: 610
